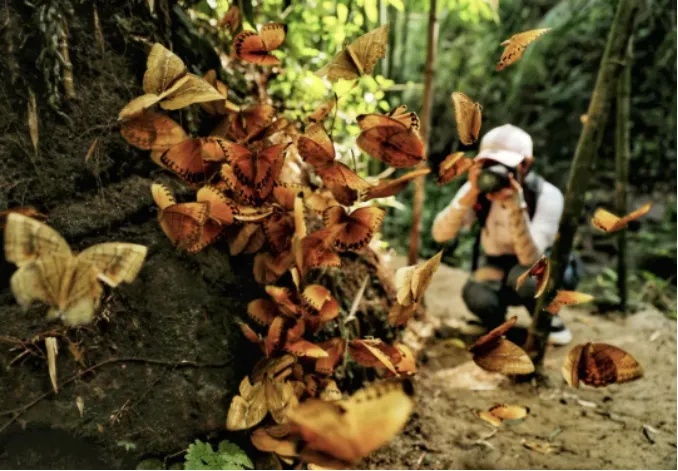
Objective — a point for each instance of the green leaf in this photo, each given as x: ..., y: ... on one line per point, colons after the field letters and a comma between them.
x: 201, y: 455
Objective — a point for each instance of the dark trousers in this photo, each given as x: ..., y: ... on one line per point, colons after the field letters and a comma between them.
x: 490, y: 299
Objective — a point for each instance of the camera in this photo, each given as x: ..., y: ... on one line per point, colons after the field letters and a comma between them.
x: 494, y: 178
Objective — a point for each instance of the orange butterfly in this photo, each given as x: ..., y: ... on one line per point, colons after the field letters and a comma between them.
x: 599, y: 364
x: 317, y: 149
x: 567, y: 298
x: 338, y: 434
x: 183, y: 223
x: 393, y: 138
x: 152, y: 131
x: 492, y: 352
x: 255, y: 122
x: 320, y: 113
x: 316, y: 250
x: 248, y: 238
x: 230, y: 20
x: 608, y: 222
x: 251, y: 176
x: 516, y: 44
x: 541, y: 270
x: 195, y: 160
x: 255, y: 48
x: 387, y: 188
x: 279, y: 229
x: 374, y: 353
x: 269, y: 267
x: 496, y: 415
x: 452, y: 166
x: 468, y: 116
x: 357, y: 227
x: 335, y: 352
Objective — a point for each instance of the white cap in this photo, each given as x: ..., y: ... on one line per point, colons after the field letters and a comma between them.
x: 507, y: 144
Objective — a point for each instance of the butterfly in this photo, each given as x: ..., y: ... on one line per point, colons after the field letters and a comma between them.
x: 411, y: 282
x: 251, y: 175
x: 250, y: 121
x: 322, y: 111
x: 187, y: 225
x: 319, y: 303
x: 356, y: 228
x: 374, y: 353
x: 248, y: 238
x: 496, y: 415
x: 268, y: 267
x: 468, y: 116
x: 541, y: 270
x: 386, y: 188
x: 255, y: 48
x: 608, y: 222
x: 516, y: 44
x: 358, y: 58
x: 49, y: 271
x: 340, y: 433
x: 152, y: 131
x: 567, y: 298
x: 230, y: 20
x: 452, y: 166
x: 316, y: 148
x: 335, y: 349
x: 195, y: 160
x: 272, y: 440
x: 393, y: 138
x: 492, y: 352
x: 599, y: 364
x: 25, y: 210
x: 168, y: 83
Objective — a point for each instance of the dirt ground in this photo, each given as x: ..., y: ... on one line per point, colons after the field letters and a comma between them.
x: 627, y: 426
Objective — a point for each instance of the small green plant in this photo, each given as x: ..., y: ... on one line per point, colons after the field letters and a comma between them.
x: 227, y: 456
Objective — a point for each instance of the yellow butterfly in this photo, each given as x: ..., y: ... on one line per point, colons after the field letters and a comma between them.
x: 51, y: 273
x: 358, y: 58
x: 608, y: 222
x: 516, y: 44
x: 167, y: 82
x: 468, y: 116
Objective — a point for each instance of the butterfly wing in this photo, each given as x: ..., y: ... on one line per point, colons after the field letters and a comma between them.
x: 422, y: 276
x: 191, y: 90
x: 27, y: 239
x: 182, y: 223
x: 344, y: 184
x: 392, y: 145
x: 80, y: 293
x: 467, y: 114
x: 516, y: 44
x: 607, y: 364
x: 504, y: 357
x: 315, y: 146
x: 567, y: 298
x: 368, y: 49
x: 221, y: 207
x: 250, y: 47
x: 152, y: 131
x: 163, y: 68
x: 571, y: 366
x: 115, y: 262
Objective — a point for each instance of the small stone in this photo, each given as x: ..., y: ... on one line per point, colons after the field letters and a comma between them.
x: 151, y: 463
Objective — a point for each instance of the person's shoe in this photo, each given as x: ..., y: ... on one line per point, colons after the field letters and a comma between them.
x: 560, y: 334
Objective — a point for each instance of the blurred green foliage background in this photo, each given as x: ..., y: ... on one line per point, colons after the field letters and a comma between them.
x: 545, y: 93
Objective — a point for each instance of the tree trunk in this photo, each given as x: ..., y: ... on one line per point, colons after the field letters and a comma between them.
x: 582, y: 165
x: 623, y: 156
x: 427, y: 105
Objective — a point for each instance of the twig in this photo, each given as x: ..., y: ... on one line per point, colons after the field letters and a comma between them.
x: 356, y: 301
x: 17, y: 412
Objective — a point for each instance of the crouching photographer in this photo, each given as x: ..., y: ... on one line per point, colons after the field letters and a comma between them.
x: 518, y: 213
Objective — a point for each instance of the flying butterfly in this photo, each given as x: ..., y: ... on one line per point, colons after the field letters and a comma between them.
x: 49, y: 271
x: 152, y: 131
x: 358, y: 58
x: 222, y: 107
x: 316, y: 148
x: 516, y: 44
x: 608, y: 222
x: 493, y: 352
x: 496, y: 415
x: 394, y: 139
x: 230, y: 20
x: 356, y: 228
x: 567, y: 298
x: 454, y: 165
x: 256, y: 48
x: 168, y: 83
x: 411, y: 282
x: 339, y: 433
x: 468, y: 116
x: 386, y: 188
x: 541, y: 270
x: 599, y: 364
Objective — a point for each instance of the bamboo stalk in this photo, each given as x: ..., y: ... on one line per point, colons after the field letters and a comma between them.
x: 623, y: 156
x: 581, y: 169
x: 427, y: 106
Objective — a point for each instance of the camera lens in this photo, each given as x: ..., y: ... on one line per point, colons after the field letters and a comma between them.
x: 493, y: 179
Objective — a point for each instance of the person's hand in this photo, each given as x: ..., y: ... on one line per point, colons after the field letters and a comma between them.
x: 473, y: 173
x: 514, y: 190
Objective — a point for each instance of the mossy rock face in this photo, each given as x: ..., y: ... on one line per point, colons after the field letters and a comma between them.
x: 174, y: 323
